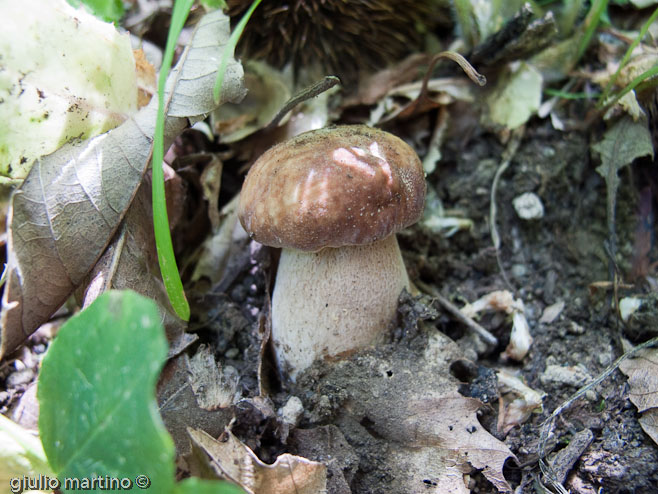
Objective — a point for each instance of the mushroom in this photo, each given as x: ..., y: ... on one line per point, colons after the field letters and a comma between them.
x: 332, y: 200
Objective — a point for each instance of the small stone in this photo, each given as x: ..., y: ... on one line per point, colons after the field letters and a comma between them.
x: 571, y: 376
x: 292, y: 411
x: 519, y: 270
x: 528, y: 206
x: 231, y: 353
x: 575, y: 328
x: 20, y: 377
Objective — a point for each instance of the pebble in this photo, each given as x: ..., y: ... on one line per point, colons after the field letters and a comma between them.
x: 576, y: 375
x: 292, y: 411
x: 528, y: 206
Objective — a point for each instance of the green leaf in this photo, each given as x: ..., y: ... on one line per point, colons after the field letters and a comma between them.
x: 194, y: 485
x: 21, y: 453
x: 64, y: 75
x: 108, y: 10
x: 213, y: 4
x: 626, y: 140
x: 98, y: 413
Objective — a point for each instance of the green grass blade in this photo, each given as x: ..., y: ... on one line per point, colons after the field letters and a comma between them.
x: 627, y: 56
x: 644, y: 76
x: 166, y: 258
x: 229, y: 49
x: 591, y: 22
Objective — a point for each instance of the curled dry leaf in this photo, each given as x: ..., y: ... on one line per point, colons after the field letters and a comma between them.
x: 180, y: 408
x: 72, y: 202
x: 518, y: 401
x: 504, y: 301
x: 642, y: 372
x: 232, y: 460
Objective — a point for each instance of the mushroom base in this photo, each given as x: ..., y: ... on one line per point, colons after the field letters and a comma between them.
x: 334, y: 301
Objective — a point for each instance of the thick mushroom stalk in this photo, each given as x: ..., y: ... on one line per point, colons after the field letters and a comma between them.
x: 333, y: 199
x: 335, y: 301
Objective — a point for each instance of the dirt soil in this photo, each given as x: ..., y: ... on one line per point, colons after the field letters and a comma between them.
x: 549, y: 260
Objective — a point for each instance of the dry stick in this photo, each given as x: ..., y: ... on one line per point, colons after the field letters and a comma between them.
x: 305, y: 94
x: 508, y: 154
x: 452, y: 309
x: 547, y: 426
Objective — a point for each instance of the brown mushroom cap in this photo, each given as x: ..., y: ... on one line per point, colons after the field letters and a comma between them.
x: 332, y: 187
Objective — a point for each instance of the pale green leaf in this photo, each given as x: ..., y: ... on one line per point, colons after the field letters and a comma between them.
x: 64, y: 75
x: 21, y: 453
x: 517, y: 96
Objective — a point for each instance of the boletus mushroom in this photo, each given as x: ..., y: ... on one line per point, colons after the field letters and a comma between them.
x: 332, y: 200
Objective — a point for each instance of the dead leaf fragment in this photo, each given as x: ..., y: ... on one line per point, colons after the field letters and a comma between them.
x: 517, y: 401
x: 179, y: 408
x: 410, y: 400
x: 642, y: 372
x: 213, y: 386
x: 232, y: 460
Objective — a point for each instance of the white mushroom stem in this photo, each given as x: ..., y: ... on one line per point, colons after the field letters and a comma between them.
x: 334, y: 301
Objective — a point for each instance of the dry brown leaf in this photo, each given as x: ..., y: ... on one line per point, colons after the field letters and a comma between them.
x: 72, y: 202
x: 146, y: 81
x: 130, y: 262
x: 430, y: 434
x: 445, y: 427
x: 642, y: 372
x: 232, y: 460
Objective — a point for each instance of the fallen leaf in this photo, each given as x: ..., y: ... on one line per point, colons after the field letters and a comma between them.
x: 517, y: 401
x: 517, y: 96
x: 80, y: 83
x: 130, y: 262
x: 70, y: 205
x: 642, y: 372
x: 269, y: 89
x: 232, y: 460
x: 625, y: 141
x: 410, y: 401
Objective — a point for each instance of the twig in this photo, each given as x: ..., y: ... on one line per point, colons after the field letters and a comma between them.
x: 455, y: 312
x: 508, y: 154
x: 305, y: 94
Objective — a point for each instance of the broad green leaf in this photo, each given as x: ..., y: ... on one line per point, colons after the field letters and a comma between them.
x: 517, y: 96
x: 64, y: 75
x: 98, y: 413
x: 21, y: 453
